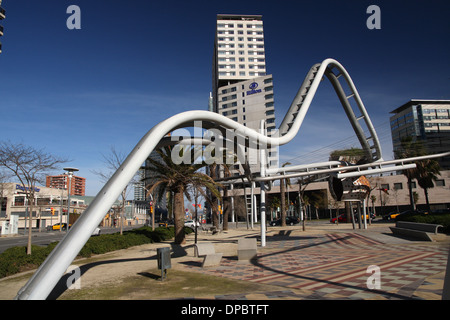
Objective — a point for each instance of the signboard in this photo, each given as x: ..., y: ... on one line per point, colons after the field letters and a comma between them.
x: 253, y: 89
x: 20, y: 187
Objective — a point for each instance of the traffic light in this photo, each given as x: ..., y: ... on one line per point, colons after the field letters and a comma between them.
x: 2, y: 16
x: 52, y: 210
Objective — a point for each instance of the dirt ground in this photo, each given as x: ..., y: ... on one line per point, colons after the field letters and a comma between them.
x: 110, y: 269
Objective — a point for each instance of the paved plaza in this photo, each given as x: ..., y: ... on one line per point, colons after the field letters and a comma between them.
x: 325, y: 262
x: 335, y: 266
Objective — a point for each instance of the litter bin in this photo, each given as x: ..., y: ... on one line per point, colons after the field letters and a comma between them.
x: 164, y: 263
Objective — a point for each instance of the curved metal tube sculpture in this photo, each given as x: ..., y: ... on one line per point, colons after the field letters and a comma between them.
x: 49, y: 273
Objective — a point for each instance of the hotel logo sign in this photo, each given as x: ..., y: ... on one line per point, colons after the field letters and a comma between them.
x: 253, y: 89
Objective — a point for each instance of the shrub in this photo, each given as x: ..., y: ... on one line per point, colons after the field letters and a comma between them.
x: 442, y: 219
x: 15, y: 259
x: 110, y: 242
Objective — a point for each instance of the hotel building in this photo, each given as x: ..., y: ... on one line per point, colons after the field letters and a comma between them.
x: 242, y: 90
x: 427, y: 120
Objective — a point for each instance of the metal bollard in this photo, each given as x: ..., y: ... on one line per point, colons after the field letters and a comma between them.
x: 164, y: 262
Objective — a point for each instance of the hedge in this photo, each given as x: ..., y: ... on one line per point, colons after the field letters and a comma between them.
x: 434, y: 218
x: 15, y: 259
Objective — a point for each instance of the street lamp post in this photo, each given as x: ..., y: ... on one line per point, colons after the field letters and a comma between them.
x: 70, y: 172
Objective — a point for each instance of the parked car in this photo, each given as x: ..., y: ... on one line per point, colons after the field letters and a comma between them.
x: 290, y: 221
x: 191, y: 224
x: 396, y: 215
x: 341, y: 218
x: 391, y: 215
x: 165, y: 223
x: 57, y: 226
x: 96, y: 232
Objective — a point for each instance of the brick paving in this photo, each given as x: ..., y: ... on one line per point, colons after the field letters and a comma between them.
x: 335, y: 266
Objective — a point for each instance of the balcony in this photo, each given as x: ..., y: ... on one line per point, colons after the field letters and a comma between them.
x: 1, y: 31
x: 2, y: 13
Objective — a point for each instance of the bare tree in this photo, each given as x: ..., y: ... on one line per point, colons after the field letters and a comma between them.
x: 113, y: 161
x: 29, y: 166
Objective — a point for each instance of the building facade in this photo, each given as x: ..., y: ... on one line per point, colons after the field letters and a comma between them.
x: 242, y: 89
x: 239, y: 56
x: 49, y: 206
x: 395, y: 198
x: 427, y: 120
x: 77, y: 187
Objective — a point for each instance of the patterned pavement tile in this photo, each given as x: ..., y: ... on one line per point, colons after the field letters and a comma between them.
x: 334, y: 266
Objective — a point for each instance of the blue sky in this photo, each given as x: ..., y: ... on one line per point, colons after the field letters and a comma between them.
x: 135, y: 63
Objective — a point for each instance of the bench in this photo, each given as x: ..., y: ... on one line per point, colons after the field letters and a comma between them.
x: 247, y: 249
x: 206, y: 250
x: 422, y: 231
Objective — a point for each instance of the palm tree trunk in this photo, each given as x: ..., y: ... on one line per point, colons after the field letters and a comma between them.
x: 179, y: 216
x: 425, y: 191
x: 411, y: 197
x: 283, y: 202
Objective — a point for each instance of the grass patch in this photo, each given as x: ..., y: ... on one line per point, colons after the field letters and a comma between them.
x: 179, y: 284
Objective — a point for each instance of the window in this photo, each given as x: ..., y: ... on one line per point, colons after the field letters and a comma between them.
x: 440, y: 183
x: 385, y: 186
x: 398, y: 186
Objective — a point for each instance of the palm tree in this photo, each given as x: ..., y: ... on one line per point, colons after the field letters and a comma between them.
x: 410, y: 148
x: 168, y: 176
x: 426, y: 172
